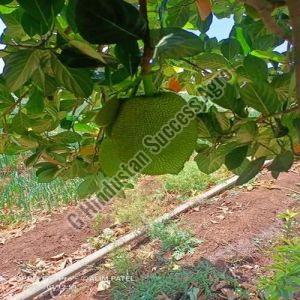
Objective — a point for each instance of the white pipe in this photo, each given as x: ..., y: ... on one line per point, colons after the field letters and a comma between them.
x: 46, y: 284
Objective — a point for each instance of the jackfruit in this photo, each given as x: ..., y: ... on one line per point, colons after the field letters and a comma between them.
x: 162, y: 128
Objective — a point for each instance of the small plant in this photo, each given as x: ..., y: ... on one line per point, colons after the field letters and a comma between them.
x: 172, y: 238
x: 289, y: 222
x: 180, y: 284
x: 284, y: 283
x: 99, y: 221
x: 124, y: 263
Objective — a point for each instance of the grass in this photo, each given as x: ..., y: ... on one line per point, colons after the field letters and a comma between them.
x: 124, y: 263
x: 179, y: 284
x: 175, y: 239
x: 191, y: 181
x: 139, y: 206
x: 21, y: 194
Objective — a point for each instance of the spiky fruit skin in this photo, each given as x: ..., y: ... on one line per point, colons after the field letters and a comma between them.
x: 139, y: 117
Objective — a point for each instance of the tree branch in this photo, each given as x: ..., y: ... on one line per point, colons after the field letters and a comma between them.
x: 294, y: 9
x: 290, y: 110
x: 265, y: 9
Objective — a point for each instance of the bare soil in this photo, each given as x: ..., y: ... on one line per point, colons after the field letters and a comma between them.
x: 237, y: 227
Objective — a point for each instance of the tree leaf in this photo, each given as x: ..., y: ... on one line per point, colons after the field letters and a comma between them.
x: 19, y: 67
x: 251, y: 170
x: 209, y: 161
x: 77, y: 81
x: 87, y: 50
x: 178, y: 13
x: 42, y: 12
x: 109, y: 21
x: 47, y: 173
x: 236, y: 157
x: 212, y: 61
x: 33, y: 26
x: 35, y: 104
x: 231, y: 48
x: 179, y: 43
x: 67, y: 137
x: 282, y: 162
x: 256, y: 68
x: 262, y: 97
x: 88, y: 187
x: 129, y: 55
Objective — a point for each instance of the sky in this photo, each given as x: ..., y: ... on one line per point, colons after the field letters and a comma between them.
x: 220, y: 29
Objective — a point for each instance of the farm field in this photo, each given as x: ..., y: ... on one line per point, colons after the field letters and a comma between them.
x: 149, y: 150
x: 218, y: 250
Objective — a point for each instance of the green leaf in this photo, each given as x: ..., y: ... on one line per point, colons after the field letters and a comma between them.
x: 212, y: 61
x: 3, y: 2
x: 271, y: 55
x: 179, y: 43
x: 178, y: 13
x: 19, y: 67
x: 33, y: 26
x: 282, y: 162
x: 256, y: 68
x: 204, y: 26
x: 77, y: 81
x: 231, y: 101
x: 246, y: 133
x: 209, y: 161
x: 74, y: 58
x: 240, y: 36
x: 251, y: 170
x: 14, y: 29
x: 35, y: 104
x: 87, y: 50
x: 236, y: 157
x: 67, y: 137
x: 42, y: 11
x: 89, y: 186
x: 129, y: 55
x: 47, y: 173
x: 107, y: 113
x: 109, y: 21
x: 70, y: 14
x: 231, y: 48
x: 262, y: 97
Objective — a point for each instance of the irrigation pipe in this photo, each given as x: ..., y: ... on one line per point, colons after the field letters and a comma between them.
x: 48, y: 283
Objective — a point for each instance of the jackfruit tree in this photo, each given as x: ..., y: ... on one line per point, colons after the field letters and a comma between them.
x: 90, y: 85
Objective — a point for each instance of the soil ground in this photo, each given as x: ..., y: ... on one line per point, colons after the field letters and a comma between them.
x: 236, y: 227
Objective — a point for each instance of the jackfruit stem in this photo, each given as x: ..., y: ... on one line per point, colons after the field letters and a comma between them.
x: 148, y: 53
x: 148, y: 84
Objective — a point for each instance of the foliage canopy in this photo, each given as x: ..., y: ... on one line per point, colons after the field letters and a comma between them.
x: 69, y: 64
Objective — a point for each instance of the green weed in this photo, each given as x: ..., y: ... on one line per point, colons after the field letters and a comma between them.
x: 180, y: 284
x: 124, y: 263
x: 284, y: 282
x: 172, y: 238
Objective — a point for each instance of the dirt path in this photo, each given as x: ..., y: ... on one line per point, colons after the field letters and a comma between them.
x: 234, y: 226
